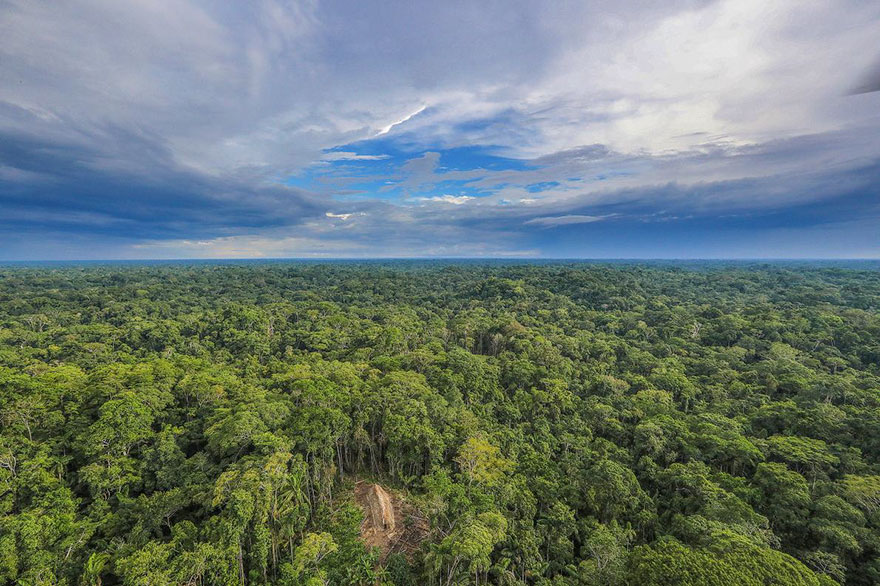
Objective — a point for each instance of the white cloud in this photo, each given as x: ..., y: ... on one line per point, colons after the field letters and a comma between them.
x: 348, y: 156
x: 267, y: 86
x: 343, y: 217
x: 386, y: 129
x: 451, y: 199
x: 552, y: 221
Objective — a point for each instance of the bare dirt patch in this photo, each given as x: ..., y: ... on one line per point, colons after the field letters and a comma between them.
x: 390, y: 523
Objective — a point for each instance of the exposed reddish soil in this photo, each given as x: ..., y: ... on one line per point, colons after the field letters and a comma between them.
x: 390, y: 523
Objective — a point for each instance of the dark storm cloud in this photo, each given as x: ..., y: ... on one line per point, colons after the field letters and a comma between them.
x: 869, y: 81
x: 55, y: 186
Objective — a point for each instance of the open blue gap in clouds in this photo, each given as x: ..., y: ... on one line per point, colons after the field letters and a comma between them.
x: 376, y: 168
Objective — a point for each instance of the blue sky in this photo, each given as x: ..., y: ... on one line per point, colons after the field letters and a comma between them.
x: 591, y: 129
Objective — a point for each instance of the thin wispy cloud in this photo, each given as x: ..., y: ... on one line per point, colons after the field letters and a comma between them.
x: 386, y: 129
x: 346, y: 156
x: 550, y: 221
x: 450, y: 199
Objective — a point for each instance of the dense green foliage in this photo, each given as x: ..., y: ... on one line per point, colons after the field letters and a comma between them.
x: 565, y: 424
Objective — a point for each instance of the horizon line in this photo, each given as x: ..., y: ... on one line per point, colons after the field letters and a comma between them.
x: 444, y: 258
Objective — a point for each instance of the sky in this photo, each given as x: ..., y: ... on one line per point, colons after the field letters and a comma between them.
x: 158, y: 129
